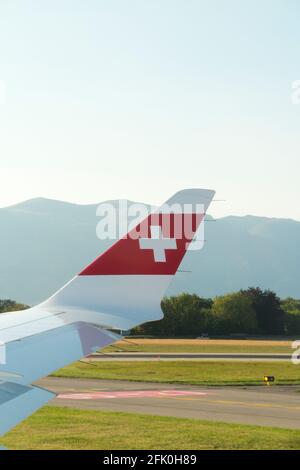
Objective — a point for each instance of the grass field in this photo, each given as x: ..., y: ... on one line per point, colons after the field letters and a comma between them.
x: 186, y: 372
x: 201, y: 345
x: 67, y: 428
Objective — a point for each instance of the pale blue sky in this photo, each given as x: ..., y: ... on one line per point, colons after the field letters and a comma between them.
x: 139, y: 98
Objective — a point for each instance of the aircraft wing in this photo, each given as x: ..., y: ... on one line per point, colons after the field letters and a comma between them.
x: 17, y: 402
x: 122, y: 288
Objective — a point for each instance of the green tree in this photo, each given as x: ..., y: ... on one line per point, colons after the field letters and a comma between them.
x: 11, y: 306
x: 233, y: 313
x: 291, y: 305
x: 291, y: 308
x: 269, y: 313
x: 184, y: 315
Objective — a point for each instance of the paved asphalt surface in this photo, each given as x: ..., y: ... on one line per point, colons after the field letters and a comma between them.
x: 132, y: 356
x: 269, y: 406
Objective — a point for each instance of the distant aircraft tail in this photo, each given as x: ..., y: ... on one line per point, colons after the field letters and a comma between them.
x: 124, y: 286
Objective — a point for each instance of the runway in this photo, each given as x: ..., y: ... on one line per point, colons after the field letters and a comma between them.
x: 277, y: 406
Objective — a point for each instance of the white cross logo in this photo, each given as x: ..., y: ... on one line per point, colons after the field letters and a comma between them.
x: 158, y: 244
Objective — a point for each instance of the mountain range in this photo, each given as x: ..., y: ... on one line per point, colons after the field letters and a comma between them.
x: 44, y: 243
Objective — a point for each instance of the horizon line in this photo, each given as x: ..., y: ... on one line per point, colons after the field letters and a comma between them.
x: 42, y: 198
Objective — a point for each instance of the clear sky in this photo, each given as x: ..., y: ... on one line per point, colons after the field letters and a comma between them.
x: 139, y: 98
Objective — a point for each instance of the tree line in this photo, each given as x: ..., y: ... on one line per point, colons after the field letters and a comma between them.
x: 248, y: 312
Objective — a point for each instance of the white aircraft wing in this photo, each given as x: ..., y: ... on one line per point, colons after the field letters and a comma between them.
x: 122, y: 288
x: 17, y: 402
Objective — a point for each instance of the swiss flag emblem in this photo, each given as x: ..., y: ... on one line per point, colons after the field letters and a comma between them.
x: 156, y: 246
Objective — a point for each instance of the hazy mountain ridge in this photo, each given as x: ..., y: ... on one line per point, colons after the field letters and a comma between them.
x: 46, y: 242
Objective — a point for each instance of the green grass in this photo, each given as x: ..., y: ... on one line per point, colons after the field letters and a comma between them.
x: 201, y: 346
x: 67, y: 428
x: 187, y: 372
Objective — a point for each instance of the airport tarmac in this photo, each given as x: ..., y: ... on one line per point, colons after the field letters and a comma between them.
x: 277, y: 406
x: 137, y: 356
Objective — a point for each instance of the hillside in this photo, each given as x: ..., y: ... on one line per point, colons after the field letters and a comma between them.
x: 45, y: 242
